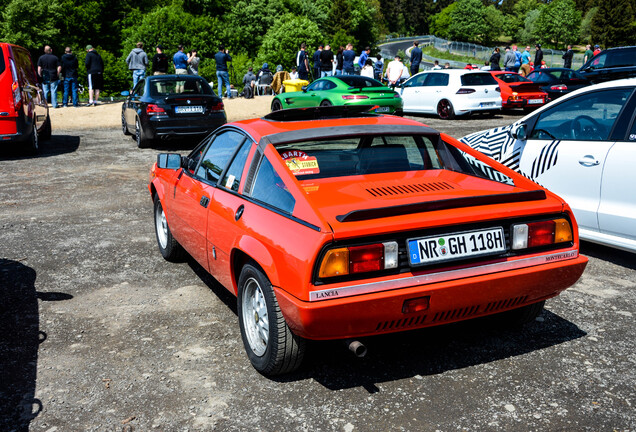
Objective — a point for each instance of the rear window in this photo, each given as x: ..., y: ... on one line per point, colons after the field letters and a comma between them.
x: 512, y: 78
x: 477, y: 79
x: 179, y: 86
x: 2, y: 65
x: 621, y: 58
x: 359, y: 81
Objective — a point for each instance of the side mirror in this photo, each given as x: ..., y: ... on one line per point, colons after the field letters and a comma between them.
x: 304, y: 89
x: 169, y: 161
x: 519, y: 132
x: 125, y: 93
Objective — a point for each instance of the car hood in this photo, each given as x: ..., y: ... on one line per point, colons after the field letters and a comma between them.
x: 381, y: 203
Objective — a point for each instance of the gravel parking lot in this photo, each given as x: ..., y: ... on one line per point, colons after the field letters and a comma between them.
x: 99, y: 333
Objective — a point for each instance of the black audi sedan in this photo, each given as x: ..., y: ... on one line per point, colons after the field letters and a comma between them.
x: 557, y: 82
x: 171, y: 106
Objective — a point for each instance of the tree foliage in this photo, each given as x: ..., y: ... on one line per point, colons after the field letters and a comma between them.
x: 614, y: 24
x: 441, y: 21
x: 558, y: 23
x: 468, y: 21
x: 30, y: 23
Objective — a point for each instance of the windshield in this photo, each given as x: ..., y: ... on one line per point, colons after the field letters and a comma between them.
x: 363, y: 155
x: 165, y: 87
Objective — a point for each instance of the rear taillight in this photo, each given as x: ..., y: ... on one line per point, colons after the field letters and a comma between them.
x: 559, y: 87
x: 153, y: 109
x: 465, y: 91
x: 541, y: 233
x: 359, y: 259
x: 354, y: 97
x: 15, y: 87
x: 217, y: 107
x: 498, y: 90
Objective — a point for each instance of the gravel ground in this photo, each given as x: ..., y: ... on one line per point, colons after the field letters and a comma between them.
x: 99, y: 333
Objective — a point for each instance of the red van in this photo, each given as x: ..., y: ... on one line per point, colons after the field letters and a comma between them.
x: 24, y: 114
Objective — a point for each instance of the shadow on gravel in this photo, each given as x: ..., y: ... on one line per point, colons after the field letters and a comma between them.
x: 605, y: 253
x: 20, y: 337
x: 176, y: 144
x: 223, y: 294
x: 57, y: 145
x: 430, y: 351
x: 473, y: 117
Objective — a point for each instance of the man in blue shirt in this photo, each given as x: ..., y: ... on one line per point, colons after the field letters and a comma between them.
x: 180, y: 61
x: 416, y: 58
x: 316, y: 60
x: 222, y: 75
x: 302, y: 62
x: 363, y: 57
x: 348, y: 56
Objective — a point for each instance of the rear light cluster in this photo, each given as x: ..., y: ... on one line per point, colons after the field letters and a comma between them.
x: 15, y: 87
x: 354, y: 97
x: 217, y: 108
x: 153, y: 109
x: 542, y: 233
x: 559, y: 87
x: 465, y: 91
x: 359, y: 259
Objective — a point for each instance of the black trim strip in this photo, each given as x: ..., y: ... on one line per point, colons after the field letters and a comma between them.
x: 382, y: 212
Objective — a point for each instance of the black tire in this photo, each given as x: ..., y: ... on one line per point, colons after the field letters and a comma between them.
x: 276, y: 105
x: 140, y: 136
x: 445, y: 110
x: 46, y: 129
x: 270, y: 345
x: 522, y: 315
x: 124, y: 125
x: 325, y: 103
x: 170, y: 249
x: 33, y: 143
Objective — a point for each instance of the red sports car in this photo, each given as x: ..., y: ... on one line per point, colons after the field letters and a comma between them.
x: 328, y: 223
x: 518, y: 91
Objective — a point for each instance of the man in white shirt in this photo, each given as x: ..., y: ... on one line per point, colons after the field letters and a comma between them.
x: 394, y: 71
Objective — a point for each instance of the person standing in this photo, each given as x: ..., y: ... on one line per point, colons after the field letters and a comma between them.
x: 222, y: 75
x: 95, y: 70
x: 597, y: 49
x: 367, y: 70
x: 588, y: 54
x: 49, y: 68
x: 316, y: 59
x: 517, y: 54
x: 180, y: 60
x: 416, y: 58
x: 70, y: 66
x: 348, y: 57
x: 193, y: 62
x: 326, y: 62
x: 378, y: 67
x: 436, y: 65
x: 137, y: 62
x: 302, y: 62
x: 160, y: 62
x: 339, y: 61
x: 538, y: 55
x: 509, y: 60
x: 495, y: 58
x: 249, y: 80
x: 526, y: 59
x: 364, y: 55
x: 567, y: 58
x: 394, y: 71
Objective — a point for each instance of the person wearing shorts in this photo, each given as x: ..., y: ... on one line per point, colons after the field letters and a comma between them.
x: 95, y: 70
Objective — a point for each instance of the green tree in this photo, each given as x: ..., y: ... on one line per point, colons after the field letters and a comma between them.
x: 528, y: 34
x: 249, y: 21
x: 586, y: 25
x: 342, y: 38
x: 282, y: 41
x: 515, y: 21
x: 614, y: 23
x: 559, y: 22
x: 494, y: 20
x: 440, y: 23
x: 31, y: 24
x: 467, y: 21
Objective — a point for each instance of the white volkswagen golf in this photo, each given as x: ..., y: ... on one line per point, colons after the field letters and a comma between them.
x: 451, y: 92
x: 582, y: 147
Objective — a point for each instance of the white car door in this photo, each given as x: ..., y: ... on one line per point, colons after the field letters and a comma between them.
x: 435, y: 88
x: 412, y: 93
x: 567, y: 150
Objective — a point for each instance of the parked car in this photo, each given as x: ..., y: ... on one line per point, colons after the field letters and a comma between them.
x: 557, y: 82
x: 24, y: 113
x: 171, y: 106
x: 342, y: 90
x: 611, y: 64
x: 583, y: 147
x: 518, y: 91
x: 451, y: 92
x: 333, y: 227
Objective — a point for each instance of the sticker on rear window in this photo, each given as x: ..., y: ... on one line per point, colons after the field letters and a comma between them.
x: 299, y: 163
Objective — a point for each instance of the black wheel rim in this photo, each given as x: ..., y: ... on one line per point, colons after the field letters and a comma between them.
x: 277, y: 106
x: 443, y: 109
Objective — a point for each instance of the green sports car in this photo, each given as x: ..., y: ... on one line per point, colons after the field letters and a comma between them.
x: 342, y: 90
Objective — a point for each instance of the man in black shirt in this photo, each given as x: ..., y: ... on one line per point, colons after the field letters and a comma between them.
x: 316, y: 59
x: 326, y: 62
x: 69, y: 72
x: 302, y: 62
x: 538, y: 56
x: 160, y: 62
x: 95, y: 70
x: 49, y: 68
x: 567, y: 58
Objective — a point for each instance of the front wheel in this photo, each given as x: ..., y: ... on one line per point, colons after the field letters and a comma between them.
x: 124, y: 125
x: 270, y: 345
x: 170, y: 249
x: 276, y: 105
x: 445, y: 110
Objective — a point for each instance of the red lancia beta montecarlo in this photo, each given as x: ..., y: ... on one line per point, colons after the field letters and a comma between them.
x: 332, y: 224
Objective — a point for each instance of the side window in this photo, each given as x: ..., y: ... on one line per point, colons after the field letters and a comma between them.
x: 417, y: 81
x: 218, y: 155
x: 270, y: 189
x: 437, y: 80
x: 328, y: 85
x: 588, y: 117
x: 232, y: 177
x: 140, y: 88
x: 599, y: 61
x: 25, y: 67
x: 315, y: 86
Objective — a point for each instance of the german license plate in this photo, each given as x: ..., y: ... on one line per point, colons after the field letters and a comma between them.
x: 193, y: 109
x: 487, y: 104
x: 448, y: 247
x: 535, y: 101
x: 382, y: 109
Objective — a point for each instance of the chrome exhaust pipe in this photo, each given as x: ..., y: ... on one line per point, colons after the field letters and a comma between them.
x: 356, y: 347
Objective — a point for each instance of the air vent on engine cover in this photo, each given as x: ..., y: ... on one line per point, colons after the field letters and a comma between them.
x: 417, y: 188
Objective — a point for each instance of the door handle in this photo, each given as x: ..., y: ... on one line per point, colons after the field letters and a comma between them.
x: 589, y: 160
x: 239, y: 212
x: 204, y: 201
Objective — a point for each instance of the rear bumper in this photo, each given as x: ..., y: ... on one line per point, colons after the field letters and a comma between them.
x: 449, y: 300
x: 523, y: 103
x: 161, y: 127
x: 478, y: 106
x: 15, y: 129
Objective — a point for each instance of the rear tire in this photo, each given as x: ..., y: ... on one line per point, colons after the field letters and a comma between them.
x: 46, y: 129
x: 170, y: 249
x: 276, y: 105
x: 33, y: 144
x: 445, y: 110
x: 270, y: 345
x: 325, y: 103
x: 140, y: 136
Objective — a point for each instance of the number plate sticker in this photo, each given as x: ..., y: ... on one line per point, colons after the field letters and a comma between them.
x: 189, y: 109
x: 383, y: 109
x: 535, y: 101
x: 448, y: 247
